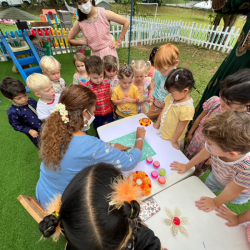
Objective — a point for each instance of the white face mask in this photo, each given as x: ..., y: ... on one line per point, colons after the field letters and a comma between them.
x: 85, y: 8
x: 87, y: 125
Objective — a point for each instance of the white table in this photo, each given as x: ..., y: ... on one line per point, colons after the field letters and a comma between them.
x: 206, y: 230
x: 165, y: 153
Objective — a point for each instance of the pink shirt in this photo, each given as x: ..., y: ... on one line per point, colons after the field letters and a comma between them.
x: 97, y: 33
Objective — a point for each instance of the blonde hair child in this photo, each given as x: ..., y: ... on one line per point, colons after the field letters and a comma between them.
x: 110, y: 71
x: 51, y: 68
x: 179, y: 109
x: 81, y: 75
x: 166, y: 59
x: 125, y: 95
x: 143, y: 83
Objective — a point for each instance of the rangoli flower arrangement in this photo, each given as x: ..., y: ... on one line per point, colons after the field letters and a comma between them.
x: 176, y: 222
x: 141, y: 180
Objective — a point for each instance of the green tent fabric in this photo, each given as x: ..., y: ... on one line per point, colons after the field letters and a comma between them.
x: 239, y: 58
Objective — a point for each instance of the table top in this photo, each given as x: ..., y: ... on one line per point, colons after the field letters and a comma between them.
x: 165, y: 153
x: 206, y: 230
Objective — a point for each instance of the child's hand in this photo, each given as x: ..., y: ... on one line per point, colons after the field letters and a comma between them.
x: 228, y: 215
x: 189, y: 138
x: 33, y: 133
x: 181, y: 168
x: 121, y: 147
x: 206, y: 204
x: 127, y: 99
x: 175, y: 145
x: 156, y: 126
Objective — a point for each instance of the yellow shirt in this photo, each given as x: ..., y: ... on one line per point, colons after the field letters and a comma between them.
x: 125, y: 109
x: 172, y: 114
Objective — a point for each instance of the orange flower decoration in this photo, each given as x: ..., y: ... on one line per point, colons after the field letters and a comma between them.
x: 145, y: 122
x: 141, y: 180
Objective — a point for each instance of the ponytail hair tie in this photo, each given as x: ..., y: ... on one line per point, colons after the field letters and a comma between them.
x: 148, y: 62
x: 133, y: 62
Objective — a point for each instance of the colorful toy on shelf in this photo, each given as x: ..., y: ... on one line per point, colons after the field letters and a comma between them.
x: 145, y: 122
x: 51, y: 17
x: 141, y: 180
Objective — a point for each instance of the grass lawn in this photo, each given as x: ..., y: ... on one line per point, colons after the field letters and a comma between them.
x: 19, y: 166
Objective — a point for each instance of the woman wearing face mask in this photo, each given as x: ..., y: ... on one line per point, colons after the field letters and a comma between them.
x: 94, y: 23
x: 65, y: 149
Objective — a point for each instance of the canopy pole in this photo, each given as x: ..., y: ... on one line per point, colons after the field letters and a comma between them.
x: 130, y: 30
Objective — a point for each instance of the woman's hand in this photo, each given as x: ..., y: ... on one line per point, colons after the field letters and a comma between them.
x: 140, y: 132
x: 228, y: 215
x: 115, y: 45
x: 121, y: 147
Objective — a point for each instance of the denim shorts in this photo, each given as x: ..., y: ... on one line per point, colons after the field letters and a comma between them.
x: 215, y: 186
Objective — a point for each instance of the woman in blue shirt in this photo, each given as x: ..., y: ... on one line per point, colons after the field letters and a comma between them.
x: 65, y: 149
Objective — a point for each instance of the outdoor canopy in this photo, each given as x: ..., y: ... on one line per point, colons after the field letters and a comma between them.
x: 17, y: 14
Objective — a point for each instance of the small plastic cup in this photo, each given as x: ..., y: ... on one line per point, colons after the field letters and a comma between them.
x: 162, y: 171
x: 149, y: 160
x: 156, y: 164
x: 154, y: 174
x: 162, y: 180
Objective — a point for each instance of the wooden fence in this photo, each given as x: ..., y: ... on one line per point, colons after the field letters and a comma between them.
x: 145, y: 31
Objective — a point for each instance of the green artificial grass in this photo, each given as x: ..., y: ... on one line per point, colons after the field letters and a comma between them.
x: 19, y: 165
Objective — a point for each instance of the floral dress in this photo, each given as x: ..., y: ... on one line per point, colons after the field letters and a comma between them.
x: 144, y: 106
x: 213, y: 107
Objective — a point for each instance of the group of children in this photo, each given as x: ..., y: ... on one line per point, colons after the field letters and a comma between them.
x: 216, y: 138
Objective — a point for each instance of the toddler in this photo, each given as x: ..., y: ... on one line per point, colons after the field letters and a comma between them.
x: 104, y: 110
x: 179, y: 108
x: 51, y: 68
x: 234, y: 95
x: 143, y: 84
x: 126, y: 95
x: 81, y: 75
x: 166, y: 59
x: 35, y: 41
x: 110, y: 71
x: 228, y: 144
x: 42, y: 87
x: 151, y: 59
x: 22, y: 113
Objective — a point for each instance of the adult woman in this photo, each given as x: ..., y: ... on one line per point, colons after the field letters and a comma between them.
x: 94, y: 23
x: 94, y: 213
x: 65, y: 149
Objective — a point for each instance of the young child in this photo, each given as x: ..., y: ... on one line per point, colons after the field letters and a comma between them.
x: 22, y: 113
x: 151, y: 59
x: 40, y: 51
x: 81, y: 75
x: 110, y: 71
x: 51, y: 68
x: 143, y: 84
x: 104, y: 110
x: 234, y: 95
x: 166, y: 59
x: 179, y: 108
x: 42, y: 87
x: 126, y: 95
x: 228, y: 144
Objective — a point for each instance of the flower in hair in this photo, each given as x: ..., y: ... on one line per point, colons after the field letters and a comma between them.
x: 124, y: 190
x: 63, y: 112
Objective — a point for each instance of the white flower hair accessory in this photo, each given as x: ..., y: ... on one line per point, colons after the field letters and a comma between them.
x: 63, y: 112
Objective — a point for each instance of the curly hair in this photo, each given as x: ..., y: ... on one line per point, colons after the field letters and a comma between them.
x: 56, y: 135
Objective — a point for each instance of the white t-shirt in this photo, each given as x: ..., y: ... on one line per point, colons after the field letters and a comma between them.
x: 44, y: 109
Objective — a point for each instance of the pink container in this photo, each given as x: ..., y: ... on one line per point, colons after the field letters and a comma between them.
x: 149, y: 160
x: 154, y: 174
x: 156, y: 164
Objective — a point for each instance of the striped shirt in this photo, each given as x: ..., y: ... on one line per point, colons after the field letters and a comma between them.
x: 236, y: 171
x: 103, y: 101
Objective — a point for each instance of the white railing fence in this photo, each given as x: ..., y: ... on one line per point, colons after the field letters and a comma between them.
x: 145, y: 31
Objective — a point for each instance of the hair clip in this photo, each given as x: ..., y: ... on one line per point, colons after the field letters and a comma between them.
x: 147, y: 63
x: 176, y: 78
x: 127, y: 72
x: 133, y: 62
x: 128, y: 68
